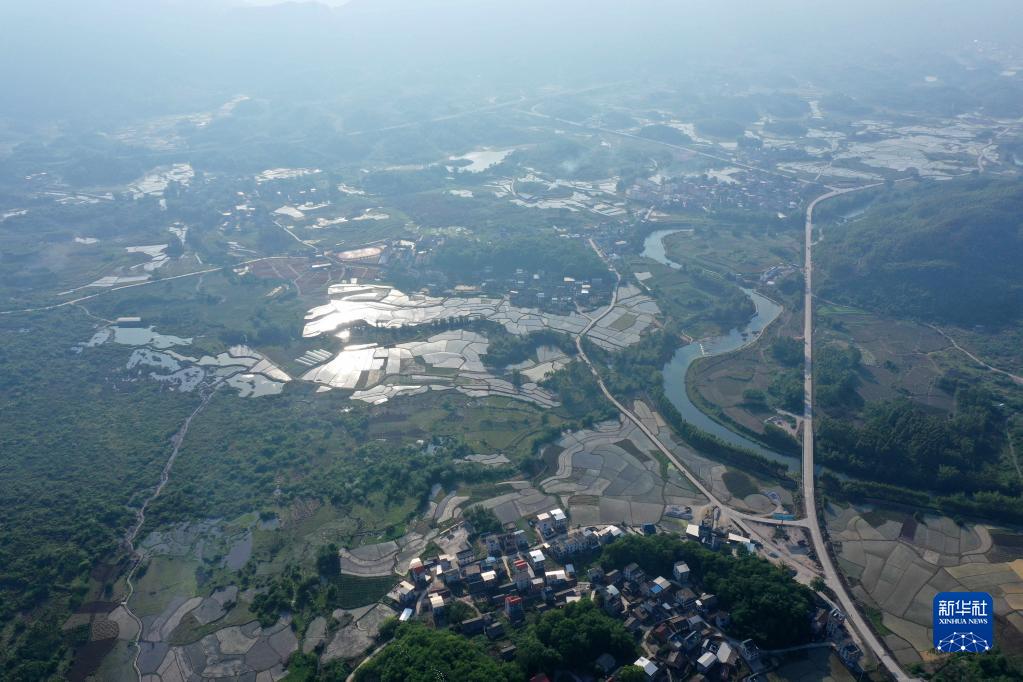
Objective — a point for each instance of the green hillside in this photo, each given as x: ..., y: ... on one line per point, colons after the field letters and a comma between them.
x: 942, y: 252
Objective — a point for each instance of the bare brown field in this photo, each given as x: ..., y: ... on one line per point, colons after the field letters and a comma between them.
x: 298, y: 271
x: 899, y: 358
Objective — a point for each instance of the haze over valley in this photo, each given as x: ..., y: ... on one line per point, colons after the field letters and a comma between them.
x: 392, y: 340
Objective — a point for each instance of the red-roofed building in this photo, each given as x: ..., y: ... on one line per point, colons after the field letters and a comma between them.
x: 513, y: 608
x: 520, y: 574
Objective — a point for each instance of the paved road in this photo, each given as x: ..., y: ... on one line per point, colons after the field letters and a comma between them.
x: 866, y: 636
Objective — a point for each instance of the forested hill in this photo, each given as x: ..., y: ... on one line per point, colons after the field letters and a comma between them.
x: 942, y: 252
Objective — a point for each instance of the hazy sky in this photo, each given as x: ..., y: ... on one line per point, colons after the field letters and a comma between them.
x: 330, y: 3
x: 59, y: 57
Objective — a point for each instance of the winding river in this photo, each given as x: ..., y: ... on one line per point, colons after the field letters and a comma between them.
x: 675, y: 371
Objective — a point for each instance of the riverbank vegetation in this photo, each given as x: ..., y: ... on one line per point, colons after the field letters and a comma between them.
x: 638, y: 372
x: 697, y: 301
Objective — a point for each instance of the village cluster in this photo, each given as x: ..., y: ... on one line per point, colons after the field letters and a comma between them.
x: 683, y: 631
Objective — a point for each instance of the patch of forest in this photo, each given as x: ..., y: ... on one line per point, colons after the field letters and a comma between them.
x: 472, y: 259
x: 941, y: 252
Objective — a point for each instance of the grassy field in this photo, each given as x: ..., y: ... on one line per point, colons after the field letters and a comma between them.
x: 623, y: 322
x: 899, y: 358
x: 191, y: 630
x: 164, y: 579
x: 488, y: 425
x: 299, y: 538
x: 739, y: 484
x: 734, y: 249
x: 479, y: 492
x: 357, y: 591
x: 550, y: 456
x: 812, y: 666
x: 998, y: 347
x: 687, y: 297
x: 352, y: 233
x: 722, y: 381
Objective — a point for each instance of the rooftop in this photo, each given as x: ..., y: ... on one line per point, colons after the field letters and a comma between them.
x: 648, y: 666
